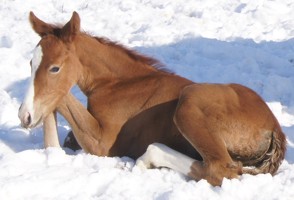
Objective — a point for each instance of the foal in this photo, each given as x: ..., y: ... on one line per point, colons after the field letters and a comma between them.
x: 206, y: 131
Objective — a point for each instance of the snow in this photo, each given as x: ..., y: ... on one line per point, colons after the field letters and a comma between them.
x: 243, y: 41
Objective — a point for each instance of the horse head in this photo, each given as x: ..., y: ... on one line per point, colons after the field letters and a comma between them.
x: 54, y: 69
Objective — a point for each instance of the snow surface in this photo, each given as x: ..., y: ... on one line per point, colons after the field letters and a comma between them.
x: 243, y: 41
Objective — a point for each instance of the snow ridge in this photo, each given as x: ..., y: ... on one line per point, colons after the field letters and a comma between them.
x: 242, y: 41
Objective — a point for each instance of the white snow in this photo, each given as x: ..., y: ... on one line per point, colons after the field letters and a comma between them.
x: 243, y: 41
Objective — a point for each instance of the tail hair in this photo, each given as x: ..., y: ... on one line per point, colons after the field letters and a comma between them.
x: 273, y: 158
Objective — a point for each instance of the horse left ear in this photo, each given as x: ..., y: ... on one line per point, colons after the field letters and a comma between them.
x: 71, y: 28
x: 40, y: 27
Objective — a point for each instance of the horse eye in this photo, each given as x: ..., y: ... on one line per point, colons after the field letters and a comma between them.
x: 54, y: 69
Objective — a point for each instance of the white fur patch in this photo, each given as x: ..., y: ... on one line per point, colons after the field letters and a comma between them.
x: 160, y: 155
x: 28, y: 103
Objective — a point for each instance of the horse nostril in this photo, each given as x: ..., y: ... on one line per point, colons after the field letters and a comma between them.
x: 27, y: 119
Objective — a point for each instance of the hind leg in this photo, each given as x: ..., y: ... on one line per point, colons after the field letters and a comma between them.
x: 160, y: 155
x: 193, y: 119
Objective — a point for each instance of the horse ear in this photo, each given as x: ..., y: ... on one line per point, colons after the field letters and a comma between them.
x: 71, y: 28
x: 40, y: 27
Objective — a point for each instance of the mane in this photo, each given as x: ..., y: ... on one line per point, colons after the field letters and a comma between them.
x: 131, y: 53
x: 134, y: 54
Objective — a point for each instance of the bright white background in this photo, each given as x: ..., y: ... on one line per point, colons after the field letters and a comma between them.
x: 243, y: 41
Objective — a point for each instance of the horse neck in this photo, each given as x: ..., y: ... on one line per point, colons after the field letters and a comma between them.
x: 104, y: 62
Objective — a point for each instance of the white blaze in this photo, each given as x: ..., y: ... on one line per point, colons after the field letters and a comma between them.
x: 28, y: 103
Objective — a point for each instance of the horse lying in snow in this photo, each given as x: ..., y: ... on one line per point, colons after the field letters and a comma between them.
x: 136, y: 109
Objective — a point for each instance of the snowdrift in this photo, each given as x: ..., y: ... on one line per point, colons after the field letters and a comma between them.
x: 223, y: 41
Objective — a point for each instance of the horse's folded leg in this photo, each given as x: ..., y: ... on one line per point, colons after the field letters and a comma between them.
x: 215, y: 172
x: 71, y: 142
x: 200, y: 125
x: 160, y: 155
x: 50, y: 131
x: 85, y: 127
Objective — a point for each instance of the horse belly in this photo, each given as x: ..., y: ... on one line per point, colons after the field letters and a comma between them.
x: 152, y: 125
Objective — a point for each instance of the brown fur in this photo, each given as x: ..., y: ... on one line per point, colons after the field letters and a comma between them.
x: 132, y: 103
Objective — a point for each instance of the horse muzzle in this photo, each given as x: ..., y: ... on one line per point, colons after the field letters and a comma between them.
x: 25, y: 117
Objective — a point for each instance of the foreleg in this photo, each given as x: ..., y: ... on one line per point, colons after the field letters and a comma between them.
x: 85, y: 127
x: 50, y: 131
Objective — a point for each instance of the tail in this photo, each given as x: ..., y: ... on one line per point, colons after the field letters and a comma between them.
x: 272, y: 159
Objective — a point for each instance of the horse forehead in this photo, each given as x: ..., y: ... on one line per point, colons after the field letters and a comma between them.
x: 52, y: 47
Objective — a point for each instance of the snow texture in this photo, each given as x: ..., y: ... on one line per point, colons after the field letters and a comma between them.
x: 242, y: 41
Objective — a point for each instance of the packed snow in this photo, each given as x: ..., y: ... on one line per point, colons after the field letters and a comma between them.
x: 242, y: 41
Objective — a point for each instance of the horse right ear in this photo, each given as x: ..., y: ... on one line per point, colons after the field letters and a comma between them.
x: 71, y: 28
x: 40, y: 27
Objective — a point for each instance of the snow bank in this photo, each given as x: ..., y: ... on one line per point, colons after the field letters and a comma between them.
x: 248, y: 42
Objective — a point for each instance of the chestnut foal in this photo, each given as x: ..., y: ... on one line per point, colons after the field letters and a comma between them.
x: 206, y: 131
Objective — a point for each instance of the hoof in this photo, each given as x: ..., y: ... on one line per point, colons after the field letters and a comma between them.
x: 71, y: 142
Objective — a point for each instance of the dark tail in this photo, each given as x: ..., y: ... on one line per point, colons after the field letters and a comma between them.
x: 273, y: 158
